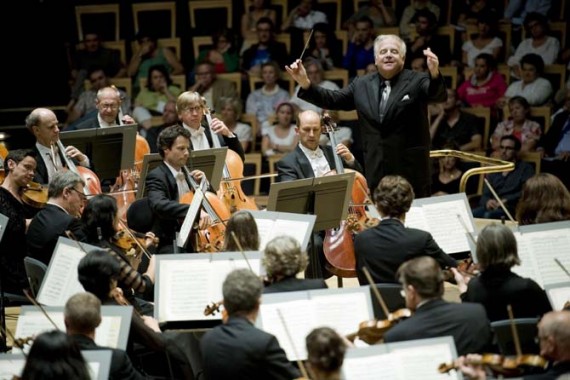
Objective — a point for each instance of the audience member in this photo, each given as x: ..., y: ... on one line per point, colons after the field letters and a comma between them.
x: 409, y: 16
x: 253, y: 13
x: 237, y: 349
x: 325, y: 47
x: 426, y: 27
x: 497, y: 286
x: 382, y: 249
x: 169, y: 118
x: 283, y: 259
x: 280, y: 137
x: 210, y: 86
x: 471, y: 11
x: 485, y: 86
x: 433, y: 317
x: 532, y: 86
x: 262, y: 102
x: 544, y: 199
x: 265, y: 49
x: 360, y: 51
x: 528, y: 132
x: 316, y: 74
x: 485, y: 41
x: 152, y: 98
x: 303, y: 17
x: 230, y: 113
x: 519, y: 10
x: 380, y: 14
x: 223, y: 54
x: 325, y: 353
x: 508, y: 185
x: 446, y: 180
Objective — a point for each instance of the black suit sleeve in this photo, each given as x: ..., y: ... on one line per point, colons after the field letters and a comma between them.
x: 159, y: 200
x: 278, y: 366
x: 234, y: 144
x: 286, y: 171
x: 122, y: 367
x: 433, y: 250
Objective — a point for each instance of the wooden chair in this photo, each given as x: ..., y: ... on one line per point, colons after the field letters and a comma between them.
x: 156, y: 121
x: 356, y: 4
x: 484, y: 113
x: 251, y: 119
x: 332, y: 7
x: 255, y: 160
x: 254, y: 83
x: 451, y: 73
x: 342, y: 36
x: 533, y: 158
x: 98, y: 15
x: 117, y: 45
x: 272, y: 160
x: 284, y: 38
x: 124, y: 84
x: 232, y: 77
x: 541, y: 114
x: 388, y: 30
x: 557, y: 29
x: 150, y: 14
x: 556, y: 74
x: 347, y: 115
x: 178, y: 80
x: 196, y: 5
x: 339, y: 76
x: 171, y: 43
x: 200, y: 43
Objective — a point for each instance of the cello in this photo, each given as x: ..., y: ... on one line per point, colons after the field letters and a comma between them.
x: 230, y: 191
x: 92, y: 182
x: 338, y: 244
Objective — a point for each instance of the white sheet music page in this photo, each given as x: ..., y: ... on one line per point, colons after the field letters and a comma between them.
x: 558, y: 297
x: 61, y: 281
x: 10, y: 367
x: 332, y: 311
x: 93, y: 370
x: 422, y: 362
x: 300, y: 317
x: 220, y: 269
x: 190, y: 218
x: 445, y: 226
x: 372, y: 367
x: 294, y: 228
x: 107, y: 333
x: 32, y: 324
x: 415, y: 218
x: 265, y: 231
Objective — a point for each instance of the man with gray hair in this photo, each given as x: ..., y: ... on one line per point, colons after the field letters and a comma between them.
x: 392, y: 111
x: 65, y: 202
x: 82, y: 315
x: 237, y: 349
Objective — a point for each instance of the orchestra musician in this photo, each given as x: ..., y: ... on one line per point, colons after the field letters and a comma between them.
x: 237, y: 349
x: 382, y: 249
x: 43, y: 124
x: 422, y: 282
x: 244, y: 227
x: 166, y: 184
x: 310, y: 160
x: 325, y: 351
x: 61, y: 213
x: 20, y: 165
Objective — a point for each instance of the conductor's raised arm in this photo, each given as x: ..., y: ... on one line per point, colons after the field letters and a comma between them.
x: 297, y: 72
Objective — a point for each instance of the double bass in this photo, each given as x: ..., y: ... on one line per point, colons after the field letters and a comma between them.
x: 338, y: 244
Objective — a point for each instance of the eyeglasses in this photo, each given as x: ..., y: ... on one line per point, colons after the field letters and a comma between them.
x: 81, y: 195
x: 506, y: 147
x: 193, y: 109
x: 112, y: 107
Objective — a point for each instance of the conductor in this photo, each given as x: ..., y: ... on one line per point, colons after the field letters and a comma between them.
x: 392, y: 111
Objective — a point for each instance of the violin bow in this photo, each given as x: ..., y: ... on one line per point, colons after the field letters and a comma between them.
x: 128, y: 231
x: 466, y: 229
x: 44, y: 312
x: 302, y: 367
x: 516, y: 339
x: 236, y: 240
x: 17, y: 342
x: 562, y: 266
x: 71, y: 236
x: 376, y: 292
x: 498, y: 199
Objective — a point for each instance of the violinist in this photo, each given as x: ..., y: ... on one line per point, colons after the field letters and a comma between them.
x: 422, y: 282
x: 20, y: 166
x: 43, y: 124
x: 244, y: 227
x: 100, y: 222
x: 310, y: 160
x: 61, y: 213
x: 237, y: 349
x: 382, y: 249
x: 325, y: 351
x: 166, y: 184
x: 283, y: 259
x: 498, y: 286
x: 554, y: 340
x: 191, y: 107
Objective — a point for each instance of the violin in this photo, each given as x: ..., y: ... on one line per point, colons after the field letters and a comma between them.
x: 500, y: 365
x: 214, y: 308
x: 465, y: 267
x: 373, y: 331
x: 34, y: 194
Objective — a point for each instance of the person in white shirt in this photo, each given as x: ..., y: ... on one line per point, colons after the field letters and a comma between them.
x: 535, y: 89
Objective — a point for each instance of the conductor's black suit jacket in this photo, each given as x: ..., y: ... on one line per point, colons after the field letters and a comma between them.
x: 399, y: 144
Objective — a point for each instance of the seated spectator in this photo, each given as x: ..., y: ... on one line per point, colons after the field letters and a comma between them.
x: 446, y: 180
x: 544, y: 199
x: 169, y: 117
x: 316, y: 74
x: 253, y: 13
x: 265, y: 49
x: 409, y: 16
x: 230, y: 112
x: 209, y: 86
x: 453, y: 125
x: 417, y: 64
x: 519, y: 10
x: 471, y: 11
x: 507, y: 185
x: 280, y: 137
x: 152, y: 98
x: 325, y: 47
x: 149, y: 53
x: 485, y: 41
x: 532, y: 86
x: 528, y: 132
x: 539, y: 42
x: 380, y: 14
x: 485, y: 86
x: 360, y: 51
x: 303, y: 17
x: 262, y: 101
x: 86, y: 102
x: 223, y: 54
x: 426, y: 27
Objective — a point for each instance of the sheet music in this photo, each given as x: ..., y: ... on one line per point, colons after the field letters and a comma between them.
x: 11, y: 365
x: 93, y: 368
x: 335, y: 305
x: 300, y: 317
x: 559, y: 296
x: 190, y: 218
x: 107, y: 333
x: 269, y: 229
x: 449, y: 232
x: 422, y: 362
x: 369, y: 368
x: 415, y: 218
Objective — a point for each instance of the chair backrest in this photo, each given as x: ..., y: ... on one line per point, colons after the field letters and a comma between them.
x: 450, y: 75
x: 124, y: 84
x: 254, y: 159
x: 200, y: 43
x: 170, y: 43
x: 333, y: 9
x: 117, y: 45
x: 147, y: 15
x: 178, y: 80
x: 89, y: 16
x: 533, y: 158
x: 484, y: 113
x: 339, y: 76
x: 251, y: 119
x: 391, y: 294
x: 235, y: 78
x: 556, y: 74
x: 195, y: 6
x: 527, y: 331
x: 139, y: 216
x: 35, y: 271
x: 272, y: 160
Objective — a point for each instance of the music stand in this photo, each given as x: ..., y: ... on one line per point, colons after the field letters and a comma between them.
x: 109, y: 149
x: 210, y: 161
x: 314, y: 196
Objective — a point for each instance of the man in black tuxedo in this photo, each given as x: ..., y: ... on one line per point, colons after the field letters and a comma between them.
x: 82, y: 315
x: 392, y: 111
x: 467, y: 323
x: 237, y: 349
x: 382, y: 249
x: 61, y: 214
x: 166, y: 183
x: 43, y: 124
x: 309, y: 160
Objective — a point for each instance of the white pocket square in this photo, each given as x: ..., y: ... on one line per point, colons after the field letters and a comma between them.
x: 406, y: 97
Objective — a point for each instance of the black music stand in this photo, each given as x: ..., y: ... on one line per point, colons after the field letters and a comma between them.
x: 210, y: 161
x: 110, y: 150
x: 326, y: 197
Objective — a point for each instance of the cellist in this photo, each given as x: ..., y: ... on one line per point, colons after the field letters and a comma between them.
x: 43, y: 124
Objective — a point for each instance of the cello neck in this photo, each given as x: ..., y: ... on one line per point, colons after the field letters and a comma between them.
x: 68, y: 161
x: 215, y: 139
x: 329, y: 128
x: 207, y: 206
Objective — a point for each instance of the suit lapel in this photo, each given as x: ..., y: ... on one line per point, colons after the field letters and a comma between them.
x: 170, y: 181
x: 398, y: 89
x: 304, y: 163
x: 373, y: 92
